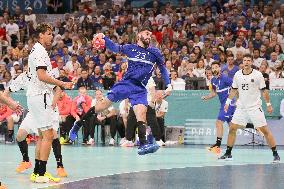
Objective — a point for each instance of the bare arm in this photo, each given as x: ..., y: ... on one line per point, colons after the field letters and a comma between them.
x: 265, y: 95
x: 160, y: 114
x: 233, y: 93
x: 42, y: 76
x: 209, y: 96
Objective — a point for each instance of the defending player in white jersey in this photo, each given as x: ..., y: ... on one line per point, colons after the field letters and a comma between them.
x: 249, y: 84
x: 39, y: 99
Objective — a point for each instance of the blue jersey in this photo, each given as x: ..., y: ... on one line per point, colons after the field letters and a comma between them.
x: 141, y: 62
x: 229, y: 73
x: 221, y: 86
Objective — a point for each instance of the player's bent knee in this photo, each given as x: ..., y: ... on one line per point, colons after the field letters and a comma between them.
x: 21, y: 135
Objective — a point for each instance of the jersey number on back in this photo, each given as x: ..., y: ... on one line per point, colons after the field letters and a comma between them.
x: 245, y: 86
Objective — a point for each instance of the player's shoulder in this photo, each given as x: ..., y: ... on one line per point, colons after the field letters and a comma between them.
x: 154, y: 50
x: 256, y: 72
x: 239, y: 73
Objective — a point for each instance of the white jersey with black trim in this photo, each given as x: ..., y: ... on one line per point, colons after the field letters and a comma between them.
x: 249, y: 87
x: 38, y: 59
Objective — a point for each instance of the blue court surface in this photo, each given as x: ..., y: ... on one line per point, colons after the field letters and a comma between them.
x: 183, y: 167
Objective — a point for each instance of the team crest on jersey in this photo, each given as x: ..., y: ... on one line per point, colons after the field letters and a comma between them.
x: 252, y: 80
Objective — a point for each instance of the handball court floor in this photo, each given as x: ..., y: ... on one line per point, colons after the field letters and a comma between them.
x: 182, y: 167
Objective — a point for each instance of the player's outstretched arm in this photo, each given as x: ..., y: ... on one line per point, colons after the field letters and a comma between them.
x: 101, y: 39
x: 11, y: 103
x: 265, y: 95
x: 209, y: 96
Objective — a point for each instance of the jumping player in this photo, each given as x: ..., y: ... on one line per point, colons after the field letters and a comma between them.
x: 249, y: 84
x: 221, y: 85
x: 141, y: 62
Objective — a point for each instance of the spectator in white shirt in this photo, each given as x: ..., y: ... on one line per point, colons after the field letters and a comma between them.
x: 238, y: 47
x: 30, y: 17
x: 177, y: 83
x: 199, y: 71
x: 13, y: 33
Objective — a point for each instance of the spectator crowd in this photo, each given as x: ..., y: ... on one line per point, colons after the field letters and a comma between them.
x: 190, y: 37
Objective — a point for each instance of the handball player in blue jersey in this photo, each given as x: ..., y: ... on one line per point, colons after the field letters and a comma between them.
x: 221, y: 85
x: 142, y: 59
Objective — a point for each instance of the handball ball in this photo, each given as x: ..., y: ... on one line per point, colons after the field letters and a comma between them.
x: 99, y: 44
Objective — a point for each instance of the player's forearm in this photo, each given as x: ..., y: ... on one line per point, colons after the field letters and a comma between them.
x: 232, y: 94
x: 42, y: 76
x: 111, y: 45
x: 5, y: 100
x: 265, y: 95
x: 211, y: 95
x: 165, y: 74
x: 160, y: 114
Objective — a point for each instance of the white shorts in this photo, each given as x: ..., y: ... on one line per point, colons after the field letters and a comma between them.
x: 28, y: 123
x: 244, y: 116
x: 40, y: 111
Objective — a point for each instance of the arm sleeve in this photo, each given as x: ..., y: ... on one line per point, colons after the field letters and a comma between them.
x: 39, y: 60
x: 19, y: 83
x: 115, y: 47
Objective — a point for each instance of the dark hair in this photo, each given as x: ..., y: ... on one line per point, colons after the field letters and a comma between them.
x: 144, y: 28
x: 42, y: 28
x: 215, y: 62
x: 230, y: 55
x: 247, y: 56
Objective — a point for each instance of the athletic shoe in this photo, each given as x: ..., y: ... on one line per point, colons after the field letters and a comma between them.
x: 276, y: 159
x: 62, y: 140
x: 33, y: 177
x: 91, y: 141
x: 148, y: 148
x: 9, y: 140
x: 61, y: 172
x: 122, y: 141
x: 23, y: 166
x: 161, y: 143
x: 127, y: 143
x: 227, y: 157
x: 41, y: 179
x: 74, y: 132
x: 214, y: 149
x: 111, y: 142
x: 51, y: 178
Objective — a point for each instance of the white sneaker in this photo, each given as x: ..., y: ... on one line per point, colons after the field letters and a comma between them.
x: 111, y: 142
x: 160, y: 143
x: 91, y: 141
x: 127, y: 143
x: 42, y: 179
x: 171, y: 143
x: 122, y: 141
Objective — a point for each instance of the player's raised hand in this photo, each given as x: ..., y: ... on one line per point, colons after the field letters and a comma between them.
x: 269, y: 109
x: 98, y: 41
x: 226, y: 107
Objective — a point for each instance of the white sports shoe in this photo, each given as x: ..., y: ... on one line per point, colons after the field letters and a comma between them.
x: 127, y: 143
x: 42, y: 179
x: 111, y: 142
x: 91, y: 141
x: 122, y: 141
x: 160, y: 143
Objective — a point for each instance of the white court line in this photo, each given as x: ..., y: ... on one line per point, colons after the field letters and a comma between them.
x: 226, y: 163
